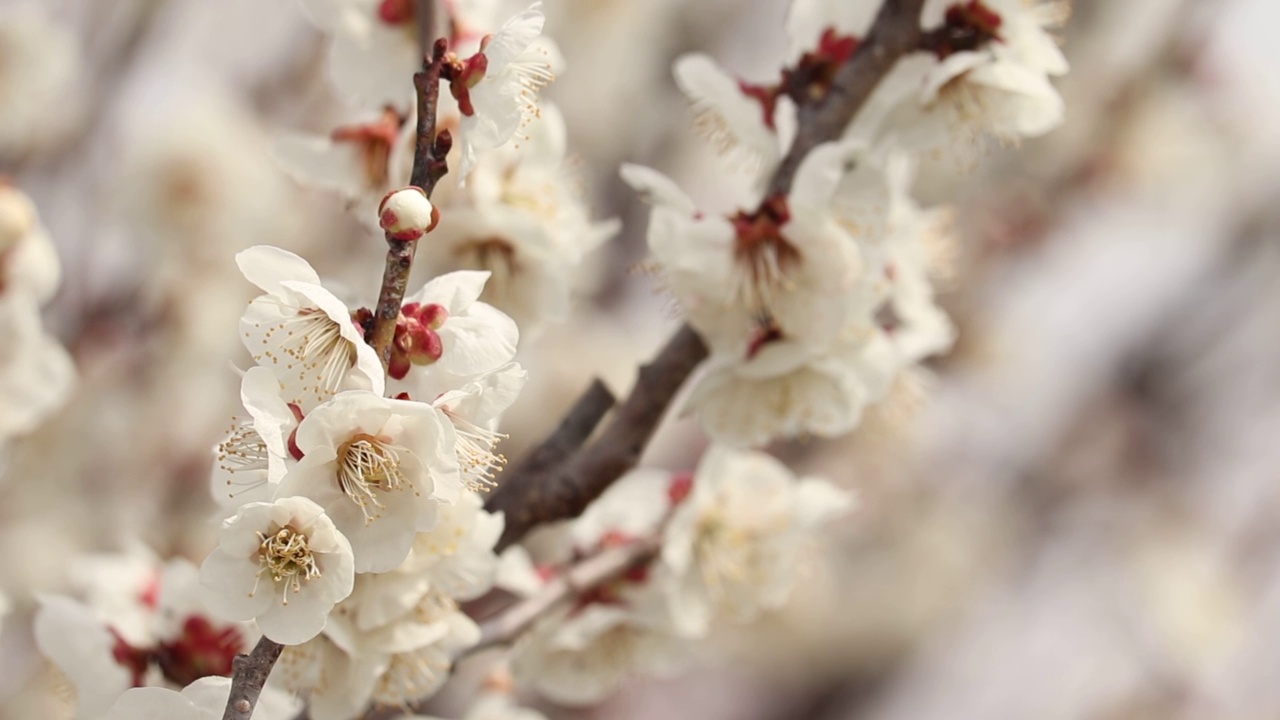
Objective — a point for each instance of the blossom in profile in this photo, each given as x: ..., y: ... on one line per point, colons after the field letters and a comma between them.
x: 282, y: 564
x: 734, y: 545
x: 303, y: 332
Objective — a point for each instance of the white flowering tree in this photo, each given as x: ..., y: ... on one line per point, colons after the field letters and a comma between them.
x: 370, y: 532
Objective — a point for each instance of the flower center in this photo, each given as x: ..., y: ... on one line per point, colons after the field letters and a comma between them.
x: 310, y: 342
x: 367, y: 465
x: 286, y: 557
x: 763, y: 254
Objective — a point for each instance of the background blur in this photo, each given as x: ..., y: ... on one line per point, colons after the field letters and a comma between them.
x: 1075, y: 515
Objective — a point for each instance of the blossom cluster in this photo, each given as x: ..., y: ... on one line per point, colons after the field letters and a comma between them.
x: 36, y: 373
x: 519, y: 211
x: 815, y: 298
x: 351, y: 491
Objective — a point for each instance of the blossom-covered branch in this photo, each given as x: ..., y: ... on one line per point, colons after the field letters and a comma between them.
x: 429, y: 165
x: 562, y: 492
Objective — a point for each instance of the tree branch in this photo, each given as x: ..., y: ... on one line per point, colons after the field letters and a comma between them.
x: 248, y: 676
x: 561, y: 492
x: 895, y: 32
x: 565, y: 490
x: 588, y: 574
x: 430, y: 151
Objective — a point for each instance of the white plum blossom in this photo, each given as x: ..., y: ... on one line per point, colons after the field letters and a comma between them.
x: 303, y: 332
x: 36, y: 373
x: 582, y: 652
x: 253, y: 457
x: 914, y: 253
x: 402, y: 661
x: 734, y: 121
x: 999, y: 87
x: 357, y: 160
x: 792, y: 263
x: 474, y: 410
x: 498, y: 89
x: 374, y: 48
x: 788, y: 389
x: 28, y: 261
x: 735, y: 545
x: 378, y: 467
x: 142, y: 623
x: 580, y: 655
x: 523, y: 218
x: 455, y: 559
x: 282, y: 564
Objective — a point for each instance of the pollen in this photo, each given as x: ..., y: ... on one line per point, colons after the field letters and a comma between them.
x: 369, y: 465
x: 286, y: 557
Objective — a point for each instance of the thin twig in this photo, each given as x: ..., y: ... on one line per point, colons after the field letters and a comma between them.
x: 896, y: 32
x: 566, y: 490
x: 248, y: 675
x: 250, y: 672
x: 590, y: 573
x: 429, y: 166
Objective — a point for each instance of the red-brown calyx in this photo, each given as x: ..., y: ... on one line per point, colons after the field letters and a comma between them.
x: 416, y: 340
x: 966, y: 26
x: 759, y: 233
x: 464, y: 74
x: 811, y: 78
x: 374, y: 142
x: 680, y: 487
x: 200, y: 650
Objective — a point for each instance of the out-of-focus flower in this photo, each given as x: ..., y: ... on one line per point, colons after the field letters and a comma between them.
x: 251, y: 459
x: 734, y: 546
x: 791, y: 263
x: 790, y: 389
x: 523, y: 218
x: 142, y: 624
x: 735, y: 121
x: 582, y: 652
x: 497, y: 88
x: 282, y: 564
x: 36, y: 373
x: 303, y: 332
x: 379, y: 468
x: 37, y: 78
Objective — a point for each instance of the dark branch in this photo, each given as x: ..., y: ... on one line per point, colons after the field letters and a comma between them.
x: 429, y: 166
x: 248, y: 675
x: 520, y: 484
x: 896, y: 32
x: 565, y: 491
x: 555, y: 493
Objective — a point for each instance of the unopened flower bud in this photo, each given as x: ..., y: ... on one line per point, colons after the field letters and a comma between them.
x: 17, y: 216
x: 407, y: 214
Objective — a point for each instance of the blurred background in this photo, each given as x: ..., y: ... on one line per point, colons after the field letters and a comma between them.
x: 1075, y: 514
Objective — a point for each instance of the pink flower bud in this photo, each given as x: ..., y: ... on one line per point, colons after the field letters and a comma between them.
x: 407, y: 214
